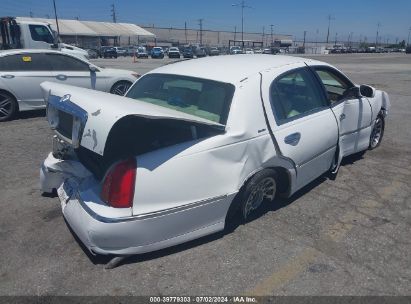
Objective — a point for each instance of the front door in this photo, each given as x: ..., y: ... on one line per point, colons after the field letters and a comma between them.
x: 72, y: 71
x: 353, y: 114
x: 301, y: 120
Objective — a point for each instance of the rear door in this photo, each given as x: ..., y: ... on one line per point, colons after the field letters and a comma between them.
x: 22, y: 74
x: 353, y: 114
x: 72, y: 71
x: 301, y: 120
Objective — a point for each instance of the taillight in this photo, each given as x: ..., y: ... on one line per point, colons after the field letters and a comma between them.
x: 118, y: 186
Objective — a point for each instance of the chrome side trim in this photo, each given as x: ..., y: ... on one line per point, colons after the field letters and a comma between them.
x: 357, y: 130
x: 316, y: 155
x: 145, y: 215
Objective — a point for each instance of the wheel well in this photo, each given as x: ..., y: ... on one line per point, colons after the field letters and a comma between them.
x: 283, y: 181
x: 120, y: 81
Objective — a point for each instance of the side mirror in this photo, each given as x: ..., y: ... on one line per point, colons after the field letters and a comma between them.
x: 367, y: 91
x: 353, y: 92
x: 93, y: 68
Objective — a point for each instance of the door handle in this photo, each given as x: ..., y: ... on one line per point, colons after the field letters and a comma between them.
x: 61, y: 77
x: 342, y: 116
x: 292, y: 139
x: 8, y: 76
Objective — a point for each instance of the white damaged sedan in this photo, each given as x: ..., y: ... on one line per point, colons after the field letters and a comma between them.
x: 193, y: 143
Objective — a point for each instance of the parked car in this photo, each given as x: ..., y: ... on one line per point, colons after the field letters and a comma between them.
x: 173, y: 52
x: 200, y: 52
x: 258, y: 51
x: 195, y: 144
x: 22, y: 71
x: 408, y: 50
x: 249, y: 51
x: 92, y: 54
x: 267, y: 51
x: 234, y: 50
x: 142, y: 52
x: 188, y: 52
x: 214, y: 51
x: 121, y: 51
x: 131, y: 50
x: 108, y: 52
x: 157, y: 52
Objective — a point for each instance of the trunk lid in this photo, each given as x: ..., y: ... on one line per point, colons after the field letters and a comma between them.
x: 103, y: 110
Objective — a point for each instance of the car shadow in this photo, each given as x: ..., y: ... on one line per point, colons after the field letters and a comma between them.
x: 231, y: 226
x: 31, y: 114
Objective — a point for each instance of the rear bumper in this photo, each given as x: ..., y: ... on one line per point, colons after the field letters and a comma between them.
x: 130, y: 234
x: 141, y: 234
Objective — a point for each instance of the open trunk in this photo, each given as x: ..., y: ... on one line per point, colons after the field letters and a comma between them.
x: 133, y: 136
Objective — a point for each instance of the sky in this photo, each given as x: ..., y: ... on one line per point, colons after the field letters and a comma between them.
x: 359, y: 17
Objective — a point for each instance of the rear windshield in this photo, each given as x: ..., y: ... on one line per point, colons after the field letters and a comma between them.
x: 203, y: 98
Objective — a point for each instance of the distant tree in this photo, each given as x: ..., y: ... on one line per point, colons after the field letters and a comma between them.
x: 402, y: 44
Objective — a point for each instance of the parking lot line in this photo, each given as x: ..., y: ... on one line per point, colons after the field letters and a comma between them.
x: 335, y: 232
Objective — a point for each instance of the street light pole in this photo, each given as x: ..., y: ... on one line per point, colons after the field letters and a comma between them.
x: 408, y: 41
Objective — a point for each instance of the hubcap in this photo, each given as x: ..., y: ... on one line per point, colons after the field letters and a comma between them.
x: 265, y: 190
x: 5, y: 105
x: 121, y: 89
x: 376, y: 132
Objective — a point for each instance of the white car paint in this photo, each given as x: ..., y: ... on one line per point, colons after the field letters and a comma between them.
x: 24, y: 85
x: 73, y: 50
x: 184, y: 191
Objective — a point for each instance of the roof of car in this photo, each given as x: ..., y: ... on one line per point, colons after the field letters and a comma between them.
x: 228, y: 68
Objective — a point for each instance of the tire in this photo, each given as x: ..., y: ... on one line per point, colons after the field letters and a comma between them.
x: 377, y: 132
x: 8, y: 106
x: 120, y: 87
x: 261, y: 188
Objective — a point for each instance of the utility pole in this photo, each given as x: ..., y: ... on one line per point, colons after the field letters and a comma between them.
x: 305, y: 34
x: 185, y: 30
x: 263, y: 35
x: 336, y: 35
x: 200, y: 23
x: 376, y: 37
x: 242, y: 5
x: 408, y: 41
x: 57, y: 21
x: 329, y: 23
x: 235, y: 33
x: 31, y: 14
x: 113, y: 13
x: 272, y: 32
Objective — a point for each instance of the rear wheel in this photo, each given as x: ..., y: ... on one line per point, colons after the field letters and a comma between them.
x: 8, y: 106
x: 261, y: 188
x: 377, y: 132
x: 120, y: 88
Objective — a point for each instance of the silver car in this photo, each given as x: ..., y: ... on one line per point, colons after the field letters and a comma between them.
x: 194, y: 144
x: 22, y: 71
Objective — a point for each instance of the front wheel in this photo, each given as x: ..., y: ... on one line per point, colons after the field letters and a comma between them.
x: 8, y: 106
x: 120, y: 88
x: 377, y: 132
x: 261, y: 188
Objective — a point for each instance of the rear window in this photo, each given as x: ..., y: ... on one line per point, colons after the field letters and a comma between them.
x: 203, y: 98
